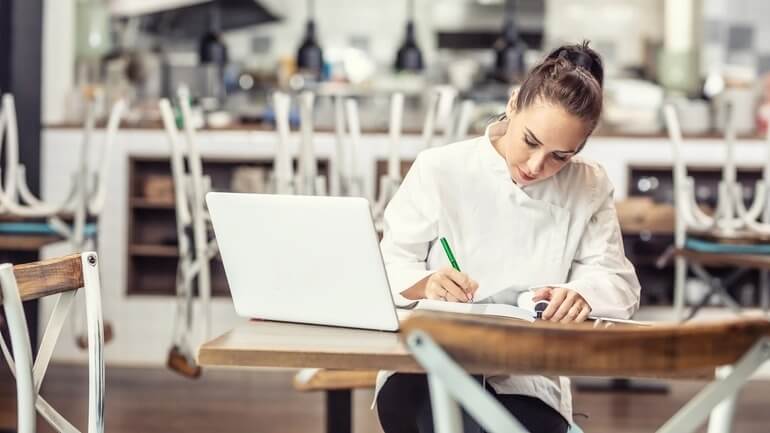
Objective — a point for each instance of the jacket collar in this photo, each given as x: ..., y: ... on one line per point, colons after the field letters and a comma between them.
x: 490, y: 156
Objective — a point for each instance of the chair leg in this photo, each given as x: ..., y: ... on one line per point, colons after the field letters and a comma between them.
x: 721, y: 417
x: 689, y: 417
x: 680, y: 275
x: 721, y: 291
x: 95, y: 326
x: 764, y: 290
x: 22, y: 350
x: 450, y: 385
x: 447, y: 417
x: 718, y: 287
x: 702, y: 303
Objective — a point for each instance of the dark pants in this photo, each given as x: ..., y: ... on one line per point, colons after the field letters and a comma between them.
x: 403, y: 406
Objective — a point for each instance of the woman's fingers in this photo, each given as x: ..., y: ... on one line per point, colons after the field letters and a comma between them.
x: 573, y: 313
x: 566, y: 306
x: 569, y: 301
x: 463, y: 281
x: 586, y: 310
x: 449, y: 297
x: 557, y: 297
x: 453, y: 289
x: 448, y: 284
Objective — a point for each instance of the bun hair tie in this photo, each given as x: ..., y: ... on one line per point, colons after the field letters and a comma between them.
x: 582, y: 60
x: 577, y: 58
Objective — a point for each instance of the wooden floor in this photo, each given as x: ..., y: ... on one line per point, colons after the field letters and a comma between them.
x: 233, y: 401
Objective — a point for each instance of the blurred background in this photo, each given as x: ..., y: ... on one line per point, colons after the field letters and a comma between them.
x: 234, y: 53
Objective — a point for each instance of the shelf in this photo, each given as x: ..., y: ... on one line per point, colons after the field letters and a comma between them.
x: 9, y: 242
x: 645, y: 260
x: 143, y: 203
x: 152, y: 255
x: 150, y: 250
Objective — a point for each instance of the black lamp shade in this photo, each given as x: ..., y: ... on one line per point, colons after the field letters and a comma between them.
x: 212, y: 49
x: 309, y: 56
x: 409, y: 57
x: 509, y: 54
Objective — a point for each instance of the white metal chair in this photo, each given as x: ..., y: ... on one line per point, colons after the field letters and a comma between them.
x: 454, y: 123
x: 352, y: 180
x: 60, y: 277
x: 390, y: 182
x: 454, y: 126
x: 438, y: 117
x: 309, y: 182
x: 731, y: 214
x: 88, y: 189
x: 197, y: 247
x: 730, y: 220
x: 283, y: 179
x: 83, y: 203
x: 450, y: 346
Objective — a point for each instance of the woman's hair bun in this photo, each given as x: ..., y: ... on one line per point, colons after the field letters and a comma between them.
x: 570, y: 76
x: 581, y: 55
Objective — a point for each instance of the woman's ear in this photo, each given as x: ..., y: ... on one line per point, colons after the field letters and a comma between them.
x: 510, y: 107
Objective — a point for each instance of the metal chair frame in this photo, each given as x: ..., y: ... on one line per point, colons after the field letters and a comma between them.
x: 61, y: 277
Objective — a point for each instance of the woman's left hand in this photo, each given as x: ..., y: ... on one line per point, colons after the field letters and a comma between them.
x: 565, y: 305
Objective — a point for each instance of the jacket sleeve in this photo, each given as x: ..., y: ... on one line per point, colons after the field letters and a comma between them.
x: 600, y: 271
x: 410, y: 227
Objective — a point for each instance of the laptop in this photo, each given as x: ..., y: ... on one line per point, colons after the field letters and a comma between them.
x: 304, y: 259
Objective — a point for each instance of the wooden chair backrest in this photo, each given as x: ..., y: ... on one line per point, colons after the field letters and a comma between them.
x: 493, y: 345
x: 48, y: 277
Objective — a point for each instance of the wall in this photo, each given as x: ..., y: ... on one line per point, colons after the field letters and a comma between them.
x: 58, y: 57
x: 617, y: 29
x: 735, y: 32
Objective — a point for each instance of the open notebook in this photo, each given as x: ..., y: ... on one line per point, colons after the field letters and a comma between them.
x: 502, y: 310
x: 527, y: 310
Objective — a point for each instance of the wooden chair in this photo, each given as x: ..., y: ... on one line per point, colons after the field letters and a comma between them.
x: 699, y: 237
x: 60, y: 277
x: 338, y: 385
x: 450, y: 347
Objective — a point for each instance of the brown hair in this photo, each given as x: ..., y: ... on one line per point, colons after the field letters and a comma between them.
x: 570, y: 76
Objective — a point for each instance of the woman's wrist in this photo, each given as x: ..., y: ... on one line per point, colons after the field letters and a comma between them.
x: 417, y: 290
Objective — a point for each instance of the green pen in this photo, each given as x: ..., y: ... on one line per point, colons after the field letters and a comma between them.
x: 449, y: 254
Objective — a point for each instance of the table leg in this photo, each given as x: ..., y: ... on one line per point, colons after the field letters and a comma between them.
x: 339, y: 411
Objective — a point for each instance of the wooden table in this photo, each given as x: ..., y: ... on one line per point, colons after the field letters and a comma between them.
x: 481, y: 345
x: 274, y: 344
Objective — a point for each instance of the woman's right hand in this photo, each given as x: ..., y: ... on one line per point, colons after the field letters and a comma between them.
x: 449, y: 284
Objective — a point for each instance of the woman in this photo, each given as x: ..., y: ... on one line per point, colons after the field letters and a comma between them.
x: 521, y: 211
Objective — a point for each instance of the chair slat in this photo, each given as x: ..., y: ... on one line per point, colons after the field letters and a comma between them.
x: 325, y: 380
x: 48, y: 277
x: 726, y: 260
x: 491, y: 345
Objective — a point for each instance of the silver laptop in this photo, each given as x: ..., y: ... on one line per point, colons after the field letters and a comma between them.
x: 303, y: 259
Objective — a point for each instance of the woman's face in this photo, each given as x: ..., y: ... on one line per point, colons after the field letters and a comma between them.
x: 539, y: 141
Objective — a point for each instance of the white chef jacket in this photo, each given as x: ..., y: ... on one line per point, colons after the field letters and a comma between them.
x: 561, y: 231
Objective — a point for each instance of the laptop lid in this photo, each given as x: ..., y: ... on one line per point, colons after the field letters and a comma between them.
x: 303, y: 259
